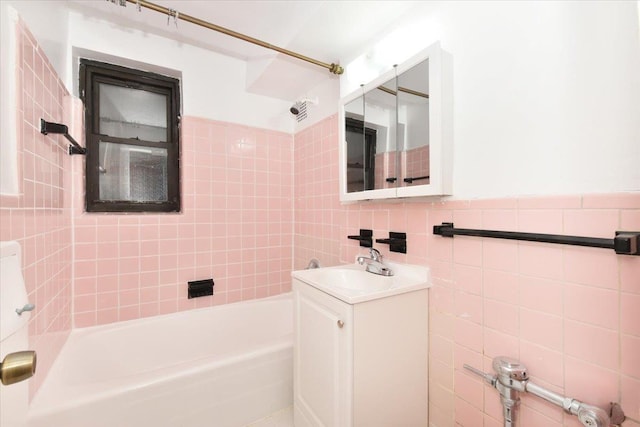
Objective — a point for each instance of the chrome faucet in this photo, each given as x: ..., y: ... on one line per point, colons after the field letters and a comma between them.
x: 375, y: 264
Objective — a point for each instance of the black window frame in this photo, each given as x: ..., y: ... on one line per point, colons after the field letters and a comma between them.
x: 369, y: 150
x: 91, y: 74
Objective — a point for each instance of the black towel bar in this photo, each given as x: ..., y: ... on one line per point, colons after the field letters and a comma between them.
x: 624, y: 242
x: 49, y: 127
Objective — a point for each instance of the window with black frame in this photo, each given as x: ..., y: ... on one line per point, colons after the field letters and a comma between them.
x: 132, y: 138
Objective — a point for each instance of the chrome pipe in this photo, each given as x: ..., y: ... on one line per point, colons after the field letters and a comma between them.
x: 588, y: 415
x: 545, y: 394
x: 512, y: 377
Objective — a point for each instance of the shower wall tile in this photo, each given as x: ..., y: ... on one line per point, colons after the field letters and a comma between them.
x: 570, y: 314
x: 39, y: 218
x: 235, y: 227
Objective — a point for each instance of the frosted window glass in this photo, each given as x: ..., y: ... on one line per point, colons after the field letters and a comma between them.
x: 132, y: 173
x: 132, y: 113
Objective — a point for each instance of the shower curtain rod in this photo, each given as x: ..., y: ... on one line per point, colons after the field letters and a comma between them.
x: 333, y: 68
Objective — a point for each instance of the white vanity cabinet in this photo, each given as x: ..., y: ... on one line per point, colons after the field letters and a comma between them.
x: 361, y: 364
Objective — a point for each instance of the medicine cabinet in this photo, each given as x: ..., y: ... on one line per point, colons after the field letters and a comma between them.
x: 396, y: 132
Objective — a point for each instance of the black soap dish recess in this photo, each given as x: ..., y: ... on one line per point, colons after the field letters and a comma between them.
x: 200, y: 288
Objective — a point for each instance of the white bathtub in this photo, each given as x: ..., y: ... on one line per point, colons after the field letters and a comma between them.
x: 214, y: 367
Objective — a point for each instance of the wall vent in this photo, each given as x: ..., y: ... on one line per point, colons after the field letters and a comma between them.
x: 302, y: 111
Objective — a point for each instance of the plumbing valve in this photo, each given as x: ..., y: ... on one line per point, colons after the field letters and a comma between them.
x: 511, y: 378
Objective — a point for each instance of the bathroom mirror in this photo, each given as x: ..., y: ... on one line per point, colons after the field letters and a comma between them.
x: 396, y: 132
x: 413, y: 124
x: 371, y: 161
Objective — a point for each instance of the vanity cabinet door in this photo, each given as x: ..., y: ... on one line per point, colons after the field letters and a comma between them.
x: 323, y: 375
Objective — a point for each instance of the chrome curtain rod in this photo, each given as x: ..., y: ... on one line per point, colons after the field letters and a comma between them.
x: 333, y: 67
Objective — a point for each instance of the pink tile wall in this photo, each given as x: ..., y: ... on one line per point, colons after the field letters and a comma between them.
x: 415, y: 163
x: 318, y: 214
x: 235, y: 227
x: 385, y: 167
x: 39, y: 218
x: 570, y: 314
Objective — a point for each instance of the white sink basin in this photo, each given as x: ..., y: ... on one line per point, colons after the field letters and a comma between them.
x: 352, y: 284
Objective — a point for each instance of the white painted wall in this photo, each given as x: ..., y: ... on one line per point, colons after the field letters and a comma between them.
x: 545, y: 93
x: 48, y: 21
x: 213, y: 84
x: 8, y: 98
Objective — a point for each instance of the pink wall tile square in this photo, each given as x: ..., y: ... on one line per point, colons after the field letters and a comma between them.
x: 616, y: 201
x: 128, y: 313
x: 468, y: 218
x: 540, y: 221
x: 441, y: 349
x: 500, y: 286
x: 599, y: 387
x: 501, y: 316
x: 82, y: 320
x: 551, y: 202
x: 630, y: 314
x: 578, y: 339
x: 468, y: 334
x: 630, y: 349
x: 543, y: 363
x: 531, y: 417
x: 541, y: 328
x: 592, y: 305
x: 630, y: 219
x: 440, y: 373
x: 441, y: 397
x: 591, y: 266
x: 84, y: 303
x: 591, y: 223
x: 443, y: 323
x: 467, y: 250
x: 629, y: 274
x: 541, y: 294
x: 630, y: 396
x: 540, y: 260
x: 107, y: 300
x: 441, y: 298
x: 466, y: 413
x: 500, y: 255
x: 500, y: 219
x: 469, y: 307
x: 498, y: 343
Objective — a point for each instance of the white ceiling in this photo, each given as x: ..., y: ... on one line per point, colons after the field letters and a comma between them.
x: 329, y: 31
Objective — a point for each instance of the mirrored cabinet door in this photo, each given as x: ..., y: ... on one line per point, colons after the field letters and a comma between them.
x: 380, y: 118
x: 356, y: 146
x: 413, y: 125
